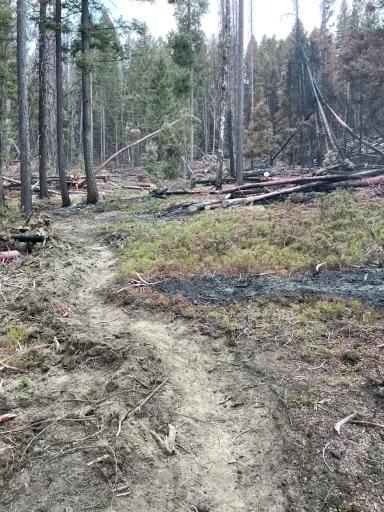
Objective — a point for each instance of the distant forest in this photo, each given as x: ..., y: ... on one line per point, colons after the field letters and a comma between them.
x: 139, y: 83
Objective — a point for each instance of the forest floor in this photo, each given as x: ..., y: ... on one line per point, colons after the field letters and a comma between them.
x: 253, y: 370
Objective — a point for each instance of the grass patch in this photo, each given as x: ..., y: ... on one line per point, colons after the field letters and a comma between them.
x: 339, y: 229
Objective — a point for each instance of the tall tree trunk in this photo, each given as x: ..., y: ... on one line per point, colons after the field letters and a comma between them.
x: 232, y: 163
x: 92, y: 193
x: 240, y: 95
x: 60, y: 109
x: 192, y: 129
x: 225, y: 43
x: 23, y: 124
x: 252, y: 58
x: 43, y: 139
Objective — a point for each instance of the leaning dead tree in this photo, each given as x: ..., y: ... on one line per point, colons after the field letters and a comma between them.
x: 324, y: 106
x: 144, y: 139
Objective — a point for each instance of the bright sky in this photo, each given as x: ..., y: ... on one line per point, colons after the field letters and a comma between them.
x: 270, y: 17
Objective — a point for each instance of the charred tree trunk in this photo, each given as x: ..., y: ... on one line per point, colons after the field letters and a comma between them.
x: 43, y: 139
x: 92, y: 193
x: 23, y: 124
x: 60, y: 109
x: 240, y: 95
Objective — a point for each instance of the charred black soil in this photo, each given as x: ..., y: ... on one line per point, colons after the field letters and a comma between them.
x: 365, y: 285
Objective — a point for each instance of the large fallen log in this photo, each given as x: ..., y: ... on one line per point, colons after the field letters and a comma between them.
x: 318, y: 185
x: 300, y: 180
x: 210, y: 180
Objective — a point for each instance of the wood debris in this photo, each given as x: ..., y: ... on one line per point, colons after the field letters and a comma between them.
x: 168, y: 444
x: 344, y: 421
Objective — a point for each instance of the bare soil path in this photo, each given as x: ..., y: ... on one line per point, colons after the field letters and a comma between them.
x: 229, y: 447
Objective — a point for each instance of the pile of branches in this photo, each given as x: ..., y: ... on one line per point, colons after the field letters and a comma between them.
x: 266, y: 189
x: 74, y: 182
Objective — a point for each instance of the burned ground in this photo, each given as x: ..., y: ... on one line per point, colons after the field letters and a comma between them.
x: 365, y: 285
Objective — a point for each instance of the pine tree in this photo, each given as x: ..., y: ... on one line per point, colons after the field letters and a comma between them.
x: 6, y: 41
x: 260, y: 140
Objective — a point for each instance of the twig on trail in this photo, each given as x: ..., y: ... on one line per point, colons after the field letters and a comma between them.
x: 99, y: 459
x: 138, y: 283
x: 140, y: 405
x: 109, y: 321
x: 138, y: 380
x: 121, y: 419
x: 38, y: 435
x: 317, y: 367
x: 168, y: 443
x: 120, y: 495
x: 146, y: 282
x: 225, y: 401
x: 13, y: 368
x: 184, y: 448
x: 325, y: 462
x: 367, y: 423
x: 194, y: 418
x: 7, y: 417
x: 241, y: 433
x: 325, y: 499
x: 343, y: 421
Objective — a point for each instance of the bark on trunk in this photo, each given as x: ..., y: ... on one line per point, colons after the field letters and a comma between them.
x: 92, y: 193
x: 25, y: 169
x: 225, y: 41
x: 232, y: 165
x: 240, y: 96
x: 60, y: 110
x: 43, y: 139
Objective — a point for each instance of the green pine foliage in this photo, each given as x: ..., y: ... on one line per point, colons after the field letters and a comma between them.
x: 260, y: 140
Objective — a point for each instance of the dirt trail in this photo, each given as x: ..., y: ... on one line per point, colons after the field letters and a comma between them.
x: 229, y: 445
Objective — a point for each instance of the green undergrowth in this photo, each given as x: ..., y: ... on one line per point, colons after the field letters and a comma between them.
x: 339, y: 229
x: 313, y: 325
x: 337, y: 331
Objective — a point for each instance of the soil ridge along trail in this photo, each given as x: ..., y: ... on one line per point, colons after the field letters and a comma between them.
x: 91, y: 452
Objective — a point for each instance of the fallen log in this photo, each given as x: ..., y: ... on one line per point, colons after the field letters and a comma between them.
x: 7, y: 256
x: 301, y: 179
x: 210, y: 180
x: 252, y: 199
x: 28, y: 238
x: 161, y: 192
x: 12, y: 181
